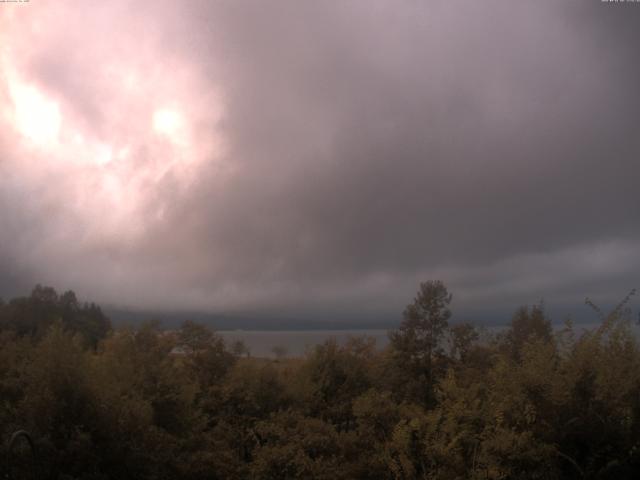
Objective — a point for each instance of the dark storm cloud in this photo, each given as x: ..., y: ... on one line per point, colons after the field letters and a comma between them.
x: 373, y: 145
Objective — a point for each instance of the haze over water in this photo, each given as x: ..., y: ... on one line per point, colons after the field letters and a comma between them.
x: 297, y: 343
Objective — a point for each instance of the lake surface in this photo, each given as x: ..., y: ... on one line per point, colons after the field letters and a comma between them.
x: 297, y: 342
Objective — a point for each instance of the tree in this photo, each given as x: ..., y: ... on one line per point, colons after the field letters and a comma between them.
x: 293, y: 446
x: 416, y: 344
x: 44, y: 295
x: 195, y: 336
x: 462, y: 338
x: 334, y: 376
x: 528, y: 325
x: 206, y: 356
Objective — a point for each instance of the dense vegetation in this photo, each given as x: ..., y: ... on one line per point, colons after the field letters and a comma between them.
x: 438, y: 403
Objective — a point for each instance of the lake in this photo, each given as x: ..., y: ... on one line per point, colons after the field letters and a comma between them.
x: 297, y: 342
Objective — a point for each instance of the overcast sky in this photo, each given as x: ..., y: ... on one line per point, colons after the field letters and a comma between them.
x: 316, y: 159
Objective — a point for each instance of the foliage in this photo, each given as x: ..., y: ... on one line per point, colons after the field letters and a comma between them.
x: 416, y: 346
x: 437, y: 403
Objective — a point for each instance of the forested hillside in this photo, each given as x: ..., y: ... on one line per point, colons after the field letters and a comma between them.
x: 440, y: 402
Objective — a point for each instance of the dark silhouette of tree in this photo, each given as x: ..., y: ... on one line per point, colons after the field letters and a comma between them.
x: 206, y: 354
x: 417, y: 343
x: 528, y: 324
x: 34, y: 315
x: 463, y: 336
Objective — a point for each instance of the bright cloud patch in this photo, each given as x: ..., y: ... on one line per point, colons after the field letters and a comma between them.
x: 85, y: 124
x: 167, y: 122
x: 36, y: 118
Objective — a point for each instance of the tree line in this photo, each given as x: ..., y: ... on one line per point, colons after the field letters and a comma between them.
x: 438, y: 402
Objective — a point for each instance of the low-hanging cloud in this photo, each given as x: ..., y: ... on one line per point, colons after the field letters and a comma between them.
x: 320, y: 158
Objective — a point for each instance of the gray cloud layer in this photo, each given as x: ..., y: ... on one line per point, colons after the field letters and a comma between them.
x: 369, y: 145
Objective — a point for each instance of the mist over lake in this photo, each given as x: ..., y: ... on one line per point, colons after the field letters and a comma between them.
x: 297, y: 343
